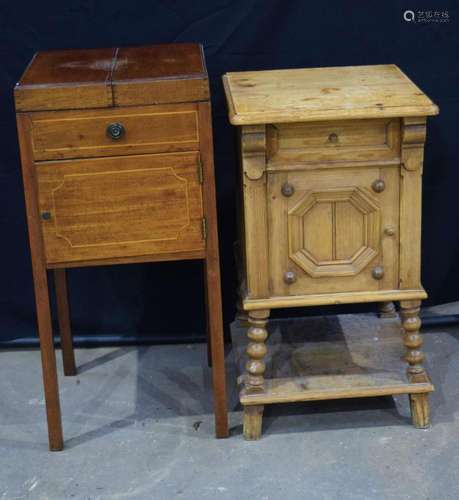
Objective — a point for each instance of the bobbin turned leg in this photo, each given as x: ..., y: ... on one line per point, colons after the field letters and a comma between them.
x: 419, y: 403
x: 386, y: 310
x: 255, y: 369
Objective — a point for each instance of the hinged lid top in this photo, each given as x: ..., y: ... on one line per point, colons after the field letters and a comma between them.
x: 180, y: 60
x: 102, y: 78
x: 257, y: 97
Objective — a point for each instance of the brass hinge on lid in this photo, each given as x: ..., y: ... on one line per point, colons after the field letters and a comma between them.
x: 200, y: 171
x: 204, y: 228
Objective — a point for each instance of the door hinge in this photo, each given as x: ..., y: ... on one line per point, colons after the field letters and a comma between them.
x: 204, y: 228
x: 200, y: 171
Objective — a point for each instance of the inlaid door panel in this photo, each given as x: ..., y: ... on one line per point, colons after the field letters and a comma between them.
x: 330, y: 229
x: 118, y: 207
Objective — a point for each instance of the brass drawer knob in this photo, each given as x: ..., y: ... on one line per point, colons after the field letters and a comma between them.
x: 378, y: 272
x: 389, y: 230
x: 46, y: 215
x: 287, y: 189
x: 378, y: 186
x: 115, y: 131
x: 289, y: 277
x: 333, y: 138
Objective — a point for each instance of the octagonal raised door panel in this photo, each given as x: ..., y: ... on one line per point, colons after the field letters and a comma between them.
x: 334, y: 230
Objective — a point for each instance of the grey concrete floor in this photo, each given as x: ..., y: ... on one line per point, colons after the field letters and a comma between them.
x: 138, y: 423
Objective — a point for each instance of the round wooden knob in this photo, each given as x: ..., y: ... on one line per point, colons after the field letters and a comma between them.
x: 287, y: 189
x: 378, y: 272
x: 289, y: 277
x: 378, y: 186
x: 389, y: 230
x: 333, y: 138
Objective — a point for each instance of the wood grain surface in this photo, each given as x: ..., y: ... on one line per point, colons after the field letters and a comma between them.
x: 83, y: 134
x: 120, y: 206
x: 104, y: 78
x: 314, y: 94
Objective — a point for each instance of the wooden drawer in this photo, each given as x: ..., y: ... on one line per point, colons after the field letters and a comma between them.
x: 333, y: 231
x: 82, y: 134
x: 356, y: 140
x: 120, y: 207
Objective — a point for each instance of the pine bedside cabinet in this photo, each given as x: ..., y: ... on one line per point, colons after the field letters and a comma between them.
x: 331, y: 174
x: 117, y: 161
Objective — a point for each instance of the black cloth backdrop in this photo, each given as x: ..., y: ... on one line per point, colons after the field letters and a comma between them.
x: 165, y: 300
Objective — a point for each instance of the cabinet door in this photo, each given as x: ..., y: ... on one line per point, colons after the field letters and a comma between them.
x: 120, y: 207
x: 333, y: 230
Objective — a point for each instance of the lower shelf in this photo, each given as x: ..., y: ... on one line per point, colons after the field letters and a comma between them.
x: 333, y: 357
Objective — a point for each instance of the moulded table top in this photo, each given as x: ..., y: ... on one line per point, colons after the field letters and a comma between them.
x: 313, y: 94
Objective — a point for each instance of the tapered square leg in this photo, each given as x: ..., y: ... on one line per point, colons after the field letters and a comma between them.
x: 63, y: 316
x: 40, y: 282
x: 208, y: 333
x: 212, y: 274
x: 48, y: 359
x: 253, y: 420
x: 217, y: 348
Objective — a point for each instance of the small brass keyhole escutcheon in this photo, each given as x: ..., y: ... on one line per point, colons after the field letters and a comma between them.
x: 378, y: 272
x: 115, y: 131
x: 289, y: 277
x: 333, y: 138
x: 287, y: 189
x: 46, y: 215
x: 378, y: 186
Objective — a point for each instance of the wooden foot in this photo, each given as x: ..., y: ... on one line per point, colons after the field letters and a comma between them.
x: 253, y: 419
x: 386, y: 310
x: 420, y: 410
x: 63, y: 315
